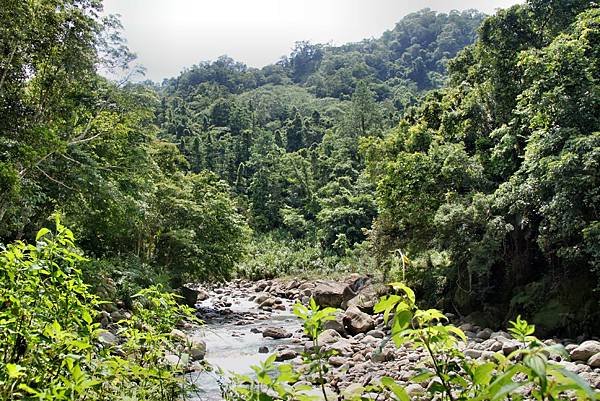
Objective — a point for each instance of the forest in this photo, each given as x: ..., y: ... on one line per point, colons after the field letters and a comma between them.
x: 457, y: 154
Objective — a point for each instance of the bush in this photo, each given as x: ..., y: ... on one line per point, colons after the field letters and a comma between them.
x: 278, y: 254
x: 50, y: 347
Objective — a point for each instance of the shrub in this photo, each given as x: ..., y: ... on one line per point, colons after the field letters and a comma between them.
x: 52, y: 349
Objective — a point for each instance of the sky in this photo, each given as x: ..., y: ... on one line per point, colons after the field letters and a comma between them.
x: 169, y: 35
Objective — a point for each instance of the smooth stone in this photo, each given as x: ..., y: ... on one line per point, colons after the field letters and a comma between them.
x: 276, y: 333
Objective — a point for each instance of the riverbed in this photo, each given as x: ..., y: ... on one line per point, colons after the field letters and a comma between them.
x: 233, y: 336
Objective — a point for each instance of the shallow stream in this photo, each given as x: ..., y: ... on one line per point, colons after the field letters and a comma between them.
x: 232, y: 345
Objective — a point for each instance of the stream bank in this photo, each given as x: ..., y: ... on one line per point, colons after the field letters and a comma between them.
x: 247, y: 321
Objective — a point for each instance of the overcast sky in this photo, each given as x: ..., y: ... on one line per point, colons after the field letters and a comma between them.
x: 168, y: 35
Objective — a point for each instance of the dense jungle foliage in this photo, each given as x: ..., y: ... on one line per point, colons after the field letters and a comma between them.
x: 470, y: 144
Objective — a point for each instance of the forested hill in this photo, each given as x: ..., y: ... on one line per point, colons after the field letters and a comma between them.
x: 286, y: 136
x: 410, y: 57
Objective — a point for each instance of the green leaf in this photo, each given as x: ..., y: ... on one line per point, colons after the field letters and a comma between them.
x: 482, y: 374
x: 85, y: 315
x: 580, y: 382
x: 398, y: 391
x: 14, y: 370
x: 537, y: 365
x: 505, y: 390
x: 422, y: 376
x: 41, y: 233
x: 406, y: 290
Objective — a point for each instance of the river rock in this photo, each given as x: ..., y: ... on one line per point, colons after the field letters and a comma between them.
x: 510, y: 346
x: 285, y: 355
x: 178, y: 335
x: 414, y: 389
x: 382, y: 356
x: 594, y: 361
x: 367, y: 298
x: 276, y: 333
x: 328, y: 336
x: 337, y: 324
x: 173, y: 360
x: 332, y: 293
x: 472, y: 353
x: 342, y: 347
x: 263, y: 350
x: 337, y: 361
x: 196, y: 348
x: 376, y: 333
x: 267, y: 303
x: 484, y: 334
x: 357, y: 322
x: 108, y: 338
x: 191, y: 295
x: 357, y: 281
x: 492, y: 345
x: 262, y: 297
x: 585, y: 350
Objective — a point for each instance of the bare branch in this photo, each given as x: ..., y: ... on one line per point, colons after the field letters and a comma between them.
x: 54, y: 179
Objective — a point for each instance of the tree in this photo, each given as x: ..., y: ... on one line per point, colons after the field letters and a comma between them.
x: 364, y: 113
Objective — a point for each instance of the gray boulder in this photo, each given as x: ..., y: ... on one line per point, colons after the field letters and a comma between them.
x: 594, y: 361
x: 337, y: 324
x: 196, y: 348
x: 356, y: 321
x: 190, y: 295
x: 585, y: 350
x: 328, y: 336
x: 107, y: 338
x: 285, y: 355
x: 276, y: 333
x: 367, y: 298
x: 332, y: 293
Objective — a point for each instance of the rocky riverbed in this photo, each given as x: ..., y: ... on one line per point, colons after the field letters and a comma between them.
x: 246, y: 321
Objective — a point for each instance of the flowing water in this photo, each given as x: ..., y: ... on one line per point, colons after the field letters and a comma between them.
x: 232, y: 346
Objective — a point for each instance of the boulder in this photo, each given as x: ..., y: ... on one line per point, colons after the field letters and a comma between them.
x: 337, y: 361
x: 510, y: 346
x: 484, y: 334
x: 178, y: 335
x: 108, y: 338
x: 332, y: 293
x: 190, y: 295
x: 260, y: 298
x: 342, y: 347
x: 267, y: 303
x: 196, y: 348
x: 585, y: 350
x: 472, y: 353
x: 594, y: 361
x: 337, y: 324
x: 414, y: 390
x: 376, y: 333
x: 357, y: 281
x: 366, y: 299
x: 382, y: 356
x: 276, y: 333
x: 328, y: 336
x: 285, y: 355
x: 356, y: 321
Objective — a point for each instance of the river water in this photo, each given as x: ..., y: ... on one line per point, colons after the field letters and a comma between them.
x: 232, y: 346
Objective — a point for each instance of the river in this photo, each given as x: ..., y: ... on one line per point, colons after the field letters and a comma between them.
x: 234, y: 338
